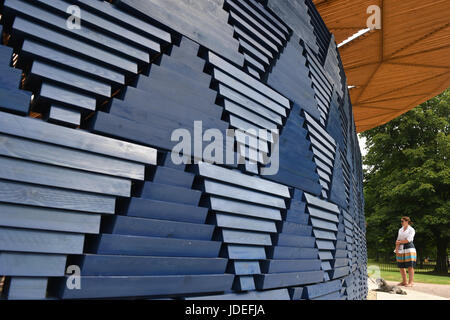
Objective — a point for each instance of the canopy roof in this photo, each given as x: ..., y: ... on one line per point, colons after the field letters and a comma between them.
x: 395, y: 68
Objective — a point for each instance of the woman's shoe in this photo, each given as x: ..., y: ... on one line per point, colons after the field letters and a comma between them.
x: 409, y: 285
x: 401, y: 284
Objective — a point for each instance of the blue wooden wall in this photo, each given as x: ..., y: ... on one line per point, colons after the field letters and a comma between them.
x: 86, y: 176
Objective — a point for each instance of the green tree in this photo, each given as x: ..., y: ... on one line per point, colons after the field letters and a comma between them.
x: 407, y: 174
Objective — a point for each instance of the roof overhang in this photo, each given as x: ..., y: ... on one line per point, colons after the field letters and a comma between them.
x: 395, y: 68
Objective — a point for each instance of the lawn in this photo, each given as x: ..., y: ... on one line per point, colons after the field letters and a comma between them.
x: 418, y: 277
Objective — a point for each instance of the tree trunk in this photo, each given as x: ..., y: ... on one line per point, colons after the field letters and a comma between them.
x: 441, y: 260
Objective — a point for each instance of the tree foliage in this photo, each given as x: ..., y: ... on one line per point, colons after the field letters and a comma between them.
x: 407, y: 173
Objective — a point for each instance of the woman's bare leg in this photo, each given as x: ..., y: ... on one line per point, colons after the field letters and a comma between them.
x: 403, y: 273
x: 411, y: 276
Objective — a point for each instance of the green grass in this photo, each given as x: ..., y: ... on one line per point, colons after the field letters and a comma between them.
x: 418, y: 277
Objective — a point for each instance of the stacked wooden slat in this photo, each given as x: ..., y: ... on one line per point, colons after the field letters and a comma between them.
x: 56, y: 183
x: 325, y: 220
x: 321, y: 84
x: 261, y: 35
x: 323, y: 35
x: 296, y: 166
x: 11, y: 98
x: 295, y: 15
x: 324, y: 149
x: 290, y: 76
x: 179, y: 85
x: 159, y: 246
x: 71, y: 71
x: 252, y: 107
x: 245, y: 211
x: 293, y: 260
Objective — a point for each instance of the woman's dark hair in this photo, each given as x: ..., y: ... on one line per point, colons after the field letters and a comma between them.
x: 408, y: 220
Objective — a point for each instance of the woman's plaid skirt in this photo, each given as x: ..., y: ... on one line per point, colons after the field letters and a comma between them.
x: 406, y: 257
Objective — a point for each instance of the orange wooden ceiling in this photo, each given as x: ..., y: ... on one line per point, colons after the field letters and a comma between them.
x: 395, y: 68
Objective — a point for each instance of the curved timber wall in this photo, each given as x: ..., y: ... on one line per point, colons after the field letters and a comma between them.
x: 90, y: 94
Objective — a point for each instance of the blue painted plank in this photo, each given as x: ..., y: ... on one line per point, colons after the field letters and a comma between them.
x: 16, y: 101
x: 325, y: 255
x: 32, y: 264
x: 29, y: 172
x: 64, y: 116
x: 152, y: 246
x: 114, y: 265
x: 246, y: 12
x: 130, y: 21
x: 282, y: 266
x: 331, y: 296
x: 116, y: 30
x: 317, y: 290
x: 18, y: 193
x: 245, y: 267
x: 6, y: 55
x: 297, y: 217
x: 296, y: 293
x: 285, y: 253
x: 245, y: 237
x: 244, y: 283
x: 10, y: 78
x: 227, y: 67
x: 340, y: 253
x: 279, y: 294
x: 87, y: 33
x: 22, y: 240
x: 182, y: 106
x: 173, y: 177
x: 27, y: 288
x: 225, y: 190
x: 325, y: 245
x: 340, y: 262
x: 295, y: 229
x: 322, y: 234
x: 340, y: 272
x: 202, y: 21
x: 291, y: 240
x: 159, y: 228
x: 78, y: 139
x: 289, y: 177
x: 245, y: 252
x: 47, y: 153
x: 32, y: 49
x: 56, y: 94
x: 233, y: 100
x: 322, y: 203
x: 42, y: 70
x: 240, y: 87
x: 169, y: 193
x: 48, y: 219
x: 246, y: 209
x: 154, y: 209
x: 243, y: 223
x: 322, y: 224
x: 142, y: 286
x: 36, y: 31
x: 256, y: 183
x: 322, y: 214
x: 277, y: 280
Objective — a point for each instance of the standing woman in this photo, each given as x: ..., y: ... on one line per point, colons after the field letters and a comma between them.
x: 405, y: 251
